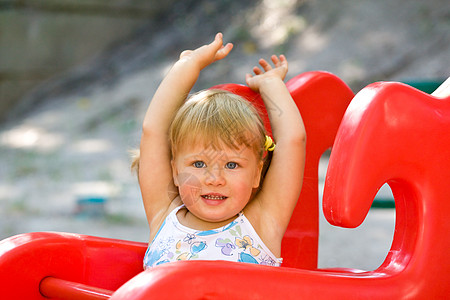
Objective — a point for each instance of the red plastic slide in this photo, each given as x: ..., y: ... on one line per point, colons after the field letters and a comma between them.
x: 390, y: 133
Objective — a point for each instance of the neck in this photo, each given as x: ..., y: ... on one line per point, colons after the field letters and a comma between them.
x: 188, y: 219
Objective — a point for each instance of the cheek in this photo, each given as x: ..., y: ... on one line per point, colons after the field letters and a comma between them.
x: 243, y: 184
x: 189, y: 187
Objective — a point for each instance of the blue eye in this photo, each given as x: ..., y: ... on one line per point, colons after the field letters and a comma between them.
x: 199, y: 164
x: 231, y: 165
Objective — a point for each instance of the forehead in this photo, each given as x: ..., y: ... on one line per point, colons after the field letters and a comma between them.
x: 212, y: 151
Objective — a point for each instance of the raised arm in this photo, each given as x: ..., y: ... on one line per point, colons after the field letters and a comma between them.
x: 155, y: 173
x: 282, y: 184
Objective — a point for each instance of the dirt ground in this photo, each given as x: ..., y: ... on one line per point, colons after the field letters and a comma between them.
x: 73, y: 148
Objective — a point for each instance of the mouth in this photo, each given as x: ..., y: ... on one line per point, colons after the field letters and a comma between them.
x: 214, y: 197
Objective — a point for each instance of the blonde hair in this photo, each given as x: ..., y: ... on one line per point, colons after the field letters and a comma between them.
x: 215, y: 117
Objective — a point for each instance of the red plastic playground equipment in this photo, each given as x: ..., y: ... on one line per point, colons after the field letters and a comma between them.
x: 390, y: 133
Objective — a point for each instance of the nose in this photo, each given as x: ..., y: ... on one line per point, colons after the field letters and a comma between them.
x: 214, y: 176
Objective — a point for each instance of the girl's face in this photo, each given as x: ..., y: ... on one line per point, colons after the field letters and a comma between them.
x: 216, y: 184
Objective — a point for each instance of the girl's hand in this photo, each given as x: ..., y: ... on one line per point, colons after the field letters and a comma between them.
x: 279, y: 71
x: 207, y: 54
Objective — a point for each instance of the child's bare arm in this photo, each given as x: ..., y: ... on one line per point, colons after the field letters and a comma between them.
x: 155, y: 173
x: 282, y: 184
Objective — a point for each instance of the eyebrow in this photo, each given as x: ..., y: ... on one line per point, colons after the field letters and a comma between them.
x: 201, y: 156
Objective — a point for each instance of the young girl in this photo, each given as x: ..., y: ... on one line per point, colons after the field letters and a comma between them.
x: 201, y: 160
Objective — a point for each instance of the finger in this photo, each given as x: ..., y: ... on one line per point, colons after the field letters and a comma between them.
x: 265, y: 65
x: 257, y: 71
x: 185, y: 53
x: 217, y: 43
x: 275, y: 60
x: 224, y: 51
x: 218, y: 37
x: 248, y: 77
x: 283, y: 61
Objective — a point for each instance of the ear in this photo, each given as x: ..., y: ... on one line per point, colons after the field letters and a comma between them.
x: 174, y: 172
x: 257, y: 180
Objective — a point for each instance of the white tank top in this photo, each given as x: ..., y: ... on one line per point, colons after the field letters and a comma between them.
x: 236, y: 241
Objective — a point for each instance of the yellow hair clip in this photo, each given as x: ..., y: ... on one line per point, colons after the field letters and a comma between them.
x: 269, y: 145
